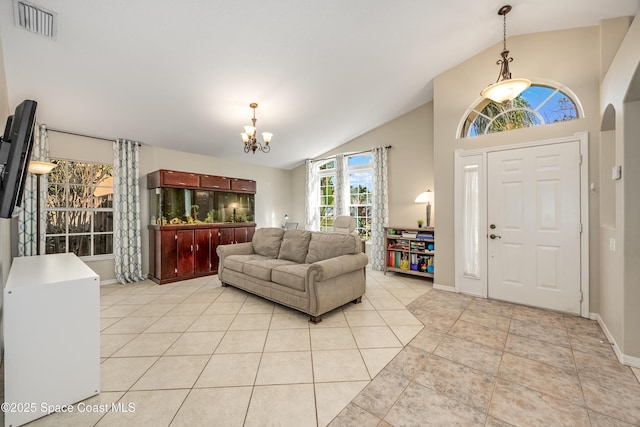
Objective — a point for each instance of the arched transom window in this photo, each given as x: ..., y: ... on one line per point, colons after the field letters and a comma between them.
x: 538, y: 105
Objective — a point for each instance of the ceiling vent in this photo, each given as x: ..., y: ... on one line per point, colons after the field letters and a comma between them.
x: 35, y: 19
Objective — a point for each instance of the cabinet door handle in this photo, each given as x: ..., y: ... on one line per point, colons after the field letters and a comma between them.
x: 191, y: 248
x: 197, y: 247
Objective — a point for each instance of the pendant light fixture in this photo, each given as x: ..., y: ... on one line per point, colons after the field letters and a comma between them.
x: 251, y: 143
x: 505, y: 88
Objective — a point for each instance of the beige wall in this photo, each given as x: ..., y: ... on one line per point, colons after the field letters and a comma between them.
x: 568, y: 57
x: 620, y: 293
x: 410, y: 164
x: 272, y: 198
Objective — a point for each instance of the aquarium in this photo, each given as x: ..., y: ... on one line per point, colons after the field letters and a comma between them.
x: 177, y: 206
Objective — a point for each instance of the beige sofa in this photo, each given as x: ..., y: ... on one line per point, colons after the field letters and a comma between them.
x: 313, y: 272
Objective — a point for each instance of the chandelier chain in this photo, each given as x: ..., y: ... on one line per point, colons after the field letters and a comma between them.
x: 504, y: 33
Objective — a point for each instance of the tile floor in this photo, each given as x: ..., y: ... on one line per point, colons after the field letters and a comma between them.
x: 194, y: 353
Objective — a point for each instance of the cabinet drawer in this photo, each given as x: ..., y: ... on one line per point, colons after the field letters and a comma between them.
x: 218, y: 182
x: 179, y: 179
x: 245, y: 185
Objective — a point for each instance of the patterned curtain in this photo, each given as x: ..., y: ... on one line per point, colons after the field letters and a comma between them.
x: 127, y: 242
x: 28, y: 216
x: 311, y: 202
x: 341, y: 187
x: 380, y: 207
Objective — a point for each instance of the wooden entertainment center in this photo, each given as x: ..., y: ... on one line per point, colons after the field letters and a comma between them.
x: 191, y: 214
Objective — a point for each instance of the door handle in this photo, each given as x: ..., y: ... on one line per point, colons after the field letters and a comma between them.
x: 493, y: 236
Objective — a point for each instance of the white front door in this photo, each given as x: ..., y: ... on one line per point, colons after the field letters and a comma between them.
x: 534, y: 226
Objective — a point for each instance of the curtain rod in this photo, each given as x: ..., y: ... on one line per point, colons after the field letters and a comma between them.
x: 80, y: 134
x: 347, y: 154
x: 89, y: 136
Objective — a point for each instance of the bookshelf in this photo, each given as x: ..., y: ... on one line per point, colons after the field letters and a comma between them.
x: 410, y: 250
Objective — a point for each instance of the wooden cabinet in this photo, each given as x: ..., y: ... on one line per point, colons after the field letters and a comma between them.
x: 188, y: 251
x: 185, y: 241
x: 202, y: 254
x: 215, y: 182
x: 178, y: 179
x: 164, y: 247
x: 243, y: 185
x: 229, y: 236
x: 168, y: 178
x: 410, y: 250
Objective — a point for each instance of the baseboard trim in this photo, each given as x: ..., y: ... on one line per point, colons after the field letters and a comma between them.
x: 444, y: 288
x: 109, y: 282
x: 625, y: 359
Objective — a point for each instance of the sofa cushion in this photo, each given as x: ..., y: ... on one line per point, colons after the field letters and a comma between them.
x: 261, y: 268
x: 236, y: 262
x: 266, y: 241
x: 292, y: 276
x: 295, y: 244
x: 330, y: 245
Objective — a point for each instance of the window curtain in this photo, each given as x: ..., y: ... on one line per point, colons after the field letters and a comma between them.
x: 127, y: 242
x: 311, y: 202
x: 380, y: 207
x: 341, y: 186
x: 28, y: 216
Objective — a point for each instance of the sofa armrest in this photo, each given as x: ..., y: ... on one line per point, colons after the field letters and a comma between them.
x: 334, y: 267
x: 224, y: 251
x: 237, y: 249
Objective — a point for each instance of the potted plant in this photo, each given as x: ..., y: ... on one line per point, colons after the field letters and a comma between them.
x: 420, y: 222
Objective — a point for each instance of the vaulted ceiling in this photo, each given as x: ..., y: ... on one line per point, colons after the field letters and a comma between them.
x: 181, y: 74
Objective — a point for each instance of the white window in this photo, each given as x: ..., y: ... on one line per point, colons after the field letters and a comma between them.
x: 538, y: 105
x: 80, y: 209
x: 360, y: 176
x: 353, y: 182
x: 326, y: 204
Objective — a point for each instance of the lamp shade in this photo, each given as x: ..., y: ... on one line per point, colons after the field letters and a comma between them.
x: 267, y: 137
x: 41, y: 168
x: 424, y: 197
x: 505, y: 90
x: 250, y: 130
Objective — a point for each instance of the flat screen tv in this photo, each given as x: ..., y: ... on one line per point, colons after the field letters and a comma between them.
x: 15, y: 152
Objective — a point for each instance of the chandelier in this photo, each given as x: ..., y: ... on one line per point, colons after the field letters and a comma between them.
x: 251, y: 143
x: 505, y: 88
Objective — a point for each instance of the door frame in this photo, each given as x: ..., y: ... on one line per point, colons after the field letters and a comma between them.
x: 479, y: 286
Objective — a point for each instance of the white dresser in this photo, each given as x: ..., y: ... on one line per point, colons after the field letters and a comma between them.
x: 51, y: 335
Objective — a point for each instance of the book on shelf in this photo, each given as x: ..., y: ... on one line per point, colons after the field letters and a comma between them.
x: 410, y: 234
x: 425, y: 236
